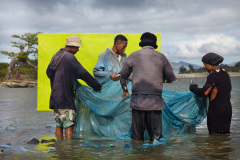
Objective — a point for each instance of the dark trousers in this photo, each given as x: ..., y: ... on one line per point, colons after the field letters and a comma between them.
x: 152, y: 120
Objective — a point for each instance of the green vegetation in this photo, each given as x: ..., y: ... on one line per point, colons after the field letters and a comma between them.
x: 235, y: 68
x: 28, y: 73
x: 3, y: 70
x: 20, y: 63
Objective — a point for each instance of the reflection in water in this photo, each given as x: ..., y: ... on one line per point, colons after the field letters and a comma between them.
x: 18, y: 108
x: 215, y: 146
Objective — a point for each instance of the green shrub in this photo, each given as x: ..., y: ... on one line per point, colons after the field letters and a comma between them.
x: 3, y: 69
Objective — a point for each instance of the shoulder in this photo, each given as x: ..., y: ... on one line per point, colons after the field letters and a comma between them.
x: 124, y: 55
x: 162, y: 55
x: 223, y: 70
x: 104, y: 54
x: 211, y: 75
x: 69, y: 56
x: 134, y: 53
x: 131, y: 56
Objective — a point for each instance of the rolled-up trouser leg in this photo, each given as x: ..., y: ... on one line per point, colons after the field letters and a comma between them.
x: 154, y: 124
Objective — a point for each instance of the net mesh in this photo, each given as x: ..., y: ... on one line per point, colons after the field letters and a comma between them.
x: 106, y: 114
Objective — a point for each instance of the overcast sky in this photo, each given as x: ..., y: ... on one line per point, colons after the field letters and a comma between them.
x: 189, y: 28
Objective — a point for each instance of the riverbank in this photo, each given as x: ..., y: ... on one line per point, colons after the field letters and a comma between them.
x: 19, y: 83
x: 203, y: 75
x: 19, y: 109
x: 32, y: 83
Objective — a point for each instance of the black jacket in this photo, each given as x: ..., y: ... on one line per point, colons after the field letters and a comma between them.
x: 63, y: 69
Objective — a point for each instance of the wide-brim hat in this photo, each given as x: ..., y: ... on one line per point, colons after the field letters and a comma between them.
x: 148, y: 39
x: 73, y: 41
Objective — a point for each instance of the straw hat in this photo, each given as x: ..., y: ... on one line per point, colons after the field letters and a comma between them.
x: 73, y: 41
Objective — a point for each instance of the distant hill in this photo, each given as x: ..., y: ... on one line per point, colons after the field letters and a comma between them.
x: 232, y: 64
x: 176, y: 65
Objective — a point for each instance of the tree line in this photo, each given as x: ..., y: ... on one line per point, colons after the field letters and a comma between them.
x: 235, y: 68
x: 20, y: 62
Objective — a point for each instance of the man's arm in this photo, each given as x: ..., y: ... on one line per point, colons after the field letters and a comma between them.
x: 168, y: 74
x: 48, y: 71
x: 92, y: 82
x: 114, y: 76
x: 124, y: 87
x: 124, y: 74
x: 100, y: 72
x: 206, y: 89
x: 82, y: 73
x: 200, y: 92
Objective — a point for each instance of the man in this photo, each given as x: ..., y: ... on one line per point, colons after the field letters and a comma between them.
x: 63, y: 69
x: 110, y: 62
x: 149, y: 70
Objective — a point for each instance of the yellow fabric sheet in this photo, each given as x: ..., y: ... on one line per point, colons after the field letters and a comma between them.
x: 93, y: 45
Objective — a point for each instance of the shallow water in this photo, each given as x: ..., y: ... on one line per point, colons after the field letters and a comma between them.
x: 18, y: 108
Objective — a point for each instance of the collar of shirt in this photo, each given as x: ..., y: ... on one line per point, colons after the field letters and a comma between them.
x: 118, y: 57
x: 148, y: 47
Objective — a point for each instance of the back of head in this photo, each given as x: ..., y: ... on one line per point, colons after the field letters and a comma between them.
x: 73, y: 41
x: 212, y: 59
x: 148, y: 39
x: 120, y: 37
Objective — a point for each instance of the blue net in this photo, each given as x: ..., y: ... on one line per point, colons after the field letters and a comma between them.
x: 106, y: 114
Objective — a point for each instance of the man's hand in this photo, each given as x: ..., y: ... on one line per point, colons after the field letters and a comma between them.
x: 130, y: 78
x: 114, y: 76
x: 193, y: 87
x: 98, y: 91
x: 125, y: 94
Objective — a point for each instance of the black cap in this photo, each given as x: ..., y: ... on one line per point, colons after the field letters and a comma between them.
x: 212, y: 59
x: 148, y: 39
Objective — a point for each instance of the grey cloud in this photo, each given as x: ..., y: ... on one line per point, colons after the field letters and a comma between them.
x: 42, y: 7
x: 175, y: 20
x: 133, y: 4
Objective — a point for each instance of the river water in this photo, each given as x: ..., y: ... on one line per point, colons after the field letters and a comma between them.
x: 20, y: 122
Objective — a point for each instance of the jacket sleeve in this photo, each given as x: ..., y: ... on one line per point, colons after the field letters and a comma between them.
x: 126, y: 69
x: 81, y: 73
x: 200, y: 91
x: 100, y: 72
x: 168, y: 74
x: 92, y: 82
x: 48, y: 71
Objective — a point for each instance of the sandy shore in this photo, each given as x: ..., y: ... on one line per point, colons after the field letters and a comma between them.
x: 30, y: 83
x: 18, y: 83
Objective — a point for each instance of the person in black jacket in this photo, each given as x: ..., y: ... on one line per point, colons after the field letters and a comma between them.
x: 218, y: 88
x: 63, y: 69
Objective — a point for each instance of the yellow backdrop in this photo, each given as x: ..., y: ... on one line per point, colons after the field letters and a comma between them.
x: 93, y: 45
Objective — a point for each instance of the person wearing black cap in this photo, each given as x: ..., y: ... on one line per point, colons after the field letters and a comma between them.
x: 149, y: 69
x: 218, y: 89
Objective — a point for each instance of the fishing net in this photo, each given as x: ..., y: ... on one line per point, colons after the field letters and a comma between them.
x: 106, y: 114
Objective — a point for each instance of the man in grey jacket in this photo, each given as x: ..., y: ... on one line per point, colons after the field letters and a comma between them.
x: 149, y: 70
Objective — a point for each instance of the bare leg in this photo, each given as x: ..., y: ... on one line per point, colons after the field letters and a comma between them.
x: 69, y: 132
x: 59, y: 133
x: 137, y: 143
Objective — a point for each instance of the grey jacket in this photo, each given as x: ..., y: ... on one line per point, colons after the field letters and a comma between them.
x: 149, y: 70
